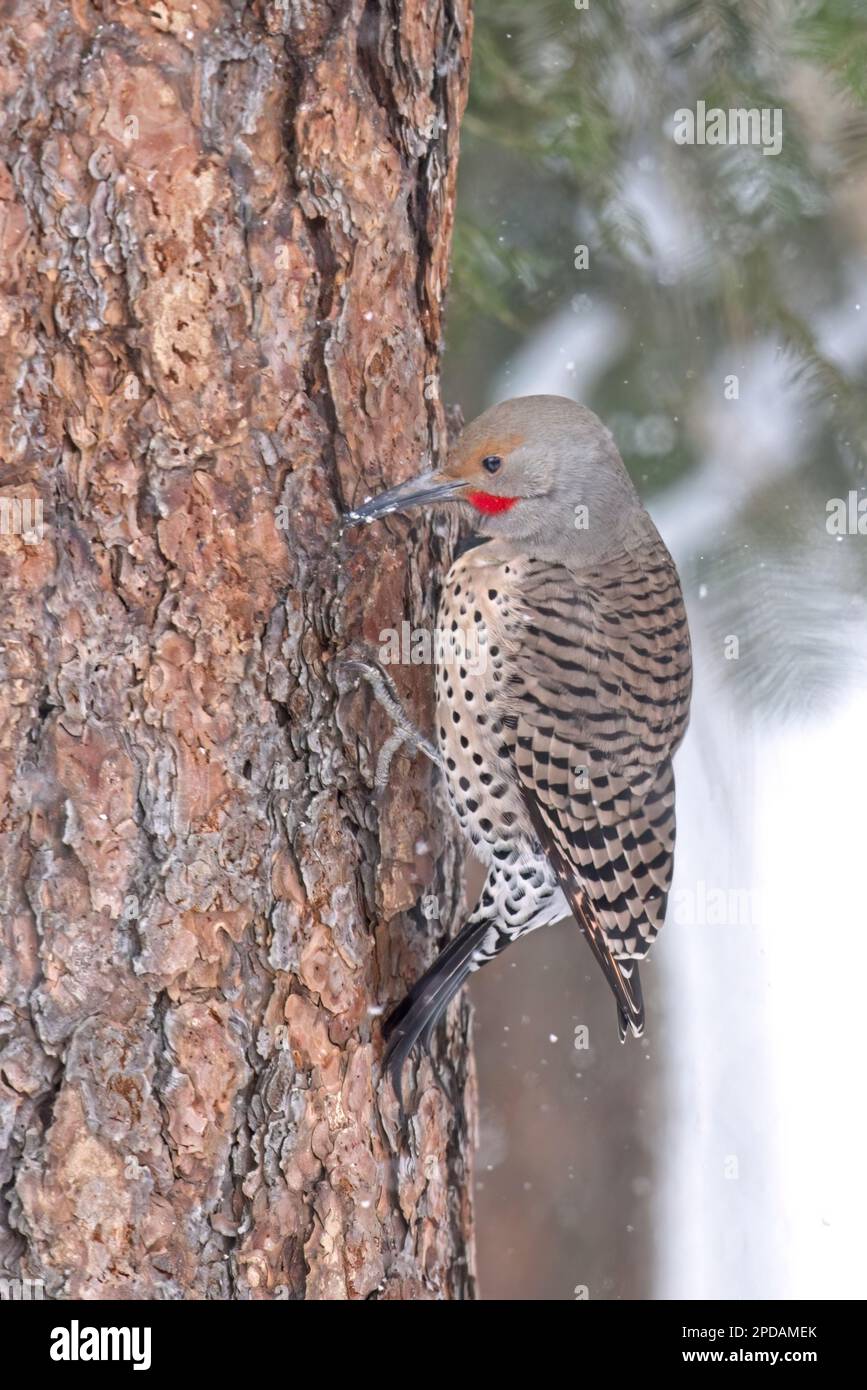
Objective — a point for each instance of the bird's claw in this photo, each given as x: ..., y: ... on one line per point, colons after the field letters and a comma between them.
x: 359, y: 665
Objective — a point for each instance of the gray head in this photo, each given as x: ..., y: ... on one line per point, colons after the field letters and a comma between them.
x: 540, y: 472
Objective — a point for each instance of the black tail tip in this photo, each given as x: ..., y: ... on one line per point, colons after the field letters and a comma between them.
x: 399, y: 1045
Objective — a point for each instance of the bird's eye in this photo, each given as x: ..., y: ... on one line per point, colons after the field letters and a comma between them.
x: 492, y: 463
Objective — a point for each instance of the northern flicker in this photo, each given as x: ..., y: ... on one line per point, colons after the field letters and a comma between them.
x: 556, y: 738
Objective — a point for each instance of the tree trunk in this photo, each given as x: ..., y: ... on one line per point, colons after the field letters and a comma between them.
x: 224, y: 233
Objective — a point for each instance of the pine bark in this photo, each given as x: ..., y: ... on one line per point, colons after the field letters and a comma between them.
x: 224, y: 237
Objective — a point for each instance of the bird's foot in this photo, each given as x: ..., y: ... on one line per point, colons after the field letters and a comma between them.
x: 358, y: 664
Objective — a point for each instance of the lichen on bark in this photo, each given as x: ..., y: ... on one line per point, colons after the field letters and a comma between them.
x: 224, y: 239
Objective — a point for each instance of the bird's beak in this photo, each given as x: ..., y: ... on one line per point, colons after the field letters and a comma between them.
x: 432, y: 486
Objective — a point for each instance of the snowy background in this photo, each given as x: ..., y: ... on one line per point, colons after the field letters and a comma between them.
x: 723, y: 1155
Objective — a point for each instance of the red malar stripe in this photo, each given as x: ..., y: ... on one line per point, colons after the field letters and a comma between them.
x: 487, y: 502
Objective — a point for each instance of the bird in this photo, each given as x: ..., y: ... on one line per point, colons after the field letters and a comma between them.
x: 563, y: 686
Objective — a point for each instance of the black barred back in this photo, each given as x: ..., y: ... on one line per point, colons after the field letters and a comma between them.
x: 598, y: 695
x: 583, y: 698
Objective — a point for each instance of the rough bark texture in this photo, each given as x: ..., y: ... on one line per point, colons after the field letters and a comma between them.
x: 224, y: 232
